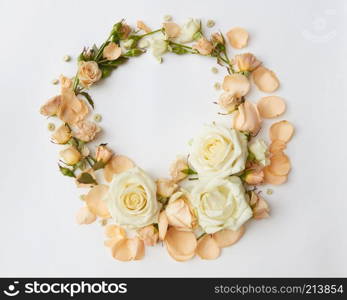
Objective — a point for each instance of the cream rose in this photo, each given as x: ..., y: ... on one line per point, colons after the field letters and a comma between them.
x: 260, y: 151
x: 220, y: 204
x: 131, y: 199
x: 88, y: 73
x: 218, y: 151
x: 188, y: 30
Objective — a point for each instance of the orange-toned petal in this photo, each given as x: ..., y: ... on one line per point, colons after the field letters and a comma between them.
x: 207, y: 247
x: 117, y: 164
x: 142, y: 26
x: 51, y: 107
x: 277, y: 146
x: 95, y: 202
x: 85, y: 216
x: 163, y: 225
x: 172, y: 30
x: 228, y: 237
x: 114, y: 231
x: 271, y: 178
x: 271, y: 107
x: 237, y: 37
x: 181, y: 245
x: 280, y: 164
x: 128, y: 249
x: 282, y: 130
x: 265, y: 79
x: 237, y: 84
x: 166, y: 187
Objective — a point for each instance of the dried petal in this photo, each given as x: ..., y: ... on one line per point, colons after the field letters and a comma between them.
x: 149, y: 235
x: 247, y: 118
x: 277, y: 146
x: 128, y: 249
x: 237, y: 37
x: 228, y: 101
x: 166, y: 187
x: 142, y: 26
x: 95, y: 201
x: 51, y: 107
x: 103, y: 154
x: 85, y: 216
x: 181, y: 245
x: 117, y: 164
x: 259, y: 206
x: 271, y: 107
x: 246, y: 62
x: 236, y: 84
x: 271, y: 178
x: 163, y: 224
x: 207, y: 247
x: 62, y: 135
x: 265, y: 79
x: 172, y: 30
x: 280, y: 164
x: 282, y: 130
x: 228, y: 237
x: 204, y: 46
x: 177, y: 168
x: 114, y: 231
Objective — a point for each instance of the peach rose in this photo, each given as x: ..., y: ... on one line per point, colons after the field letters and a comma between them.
x: 204, y: 46
x: 86, y: 130
x: 177, y: 168
x: 247, y: 118
x: 112, y: 51
x: 88, y: 73
x: 103, y: 153
x: 245, y: 62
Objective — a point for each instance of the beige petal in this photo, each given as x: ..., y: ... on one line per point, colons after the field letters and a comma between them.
x: 271, y: 178
x: 128, y: 249
x: 163, y: 225
x: 282, y: 130
x: 62, y: 135
x: 277, y: 146
x: 70, y: 155
x: 117, y: 164
x: 280, y: 164
x: 85, y: 216
x: 114, y: 231
x: 237, y: 84
x: 271, y: 107
x: 172, y: 30
x: 265, y: 79
x: 228, y: 237
x: 181, y: 245
x: 112, y: 51
x: 247, y: 118
x: 166, y: 187
x: 149, y: 235
x: 207, y: 247
x: 142, y: 26
x: 237, y: 37
x: 51, y: 107
x: 95, y: 202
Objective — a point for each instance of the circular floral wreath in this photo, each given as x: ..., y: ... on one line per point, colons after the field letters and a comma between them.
x: 212, y: 192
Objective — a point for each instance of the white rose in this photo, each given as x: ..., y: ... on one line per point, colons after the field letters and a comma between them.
x: 131, y: 199
x: 260, y: 151
x: 188, y: 30
x: 218, y: 151
x: 220, y: 204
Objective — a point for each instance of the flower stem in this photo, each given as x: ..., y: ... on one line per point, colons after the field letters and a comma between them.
x: 150, y: 33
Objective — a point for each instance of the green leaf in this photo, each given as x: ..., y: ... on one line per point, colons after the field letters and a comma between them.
x: 88, y: 97
x: 66, y: 171
x: 189, y: 171
x: 86, y: 178
x: 133, y: 53
x: 98, y: 165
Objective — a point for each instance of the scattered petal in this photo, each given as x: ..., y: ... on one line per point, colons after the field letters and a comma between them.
x: 280, y: 164
x: 149, y: 235
x: 237, y: 84
x: 265, y: 79
x: 95, y: 201
x: 259, y: 206
x: 270, y: 178
x: 128, y: 249
x: 282, y: 130
x: 246, y: 62
x: 142, y: 26
x: 117, y: 164
x: 271, y: 107
x: 207, y: 247
x: 247, y: 118
x: 172, y: 30
x: 163, y: 225
x: 228, y: 237
x: 51, y: 107
x: 237, y: 37
x: 204, y: 46
x: 277, y: 146
x: 85, y: 216
x: 181, y: 245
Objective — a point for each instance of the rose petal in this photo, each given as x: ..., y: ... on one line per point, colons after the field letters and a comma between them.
x: 172, y: 30
x: 271, y: 178
x: 228, y: 237
x: 51, y: 107
x: 265, y: 79
x: 237, y: 37
x: 280, y: 164
x: 114, y: 231
x: 128, y: 249
x: 95, y: 202
x: 163, y: 225
x: 277, y: 146
x: 181, y: 245
x: 117, y: 164
x: 112, y: 51
x: 166, y: 187
x: 271, y: 107
x: 85, y: 216
x: 207, y: 248
x: 237, y: 84
x: 282, y: 130
x: 142, y: 26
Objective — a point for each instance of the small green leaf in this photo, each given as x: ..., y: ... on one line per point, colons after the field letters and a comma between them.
x: 133, y: 53
x: 251, y: 156
x: 86, y: 178
x: 189, y: 171
x: 98, y: 165
x: 89, y: 98
x: 66, y: 171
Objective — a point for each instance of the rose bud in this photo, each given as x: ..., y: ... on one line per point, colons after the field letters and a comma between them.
x: 103, y: 153
x: 62, y: 134
x: 70, y: 156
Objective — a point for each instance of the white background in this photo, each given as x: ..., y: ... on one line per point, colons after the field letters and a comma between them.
x: 150, y: 112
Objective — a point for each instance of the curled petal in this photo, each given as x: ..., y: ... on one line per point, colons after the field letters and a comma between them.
x: 181, y: 245
x: 117, y: 164
x: 172, y: 30
x: 245, y: 62
x: 237, y: 37
x: 149, y: 235
x: 236, y: 84
x: 271, y: 107
x: 51, y: 107
x: 282, y: 130
x: 85, y: 216
x: 207, y: 247
x: 163, y: 225
x: 277, y: 146
x: 280, y: 164
x: 142, y: 26
x: 228, y: 101
x: 265, y: 79
x: 271, y: 178
x: 259, y: 206
x: 95, y: 201
x: 128, y: 249
x: 228, y: 237
x: 247, y: 118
